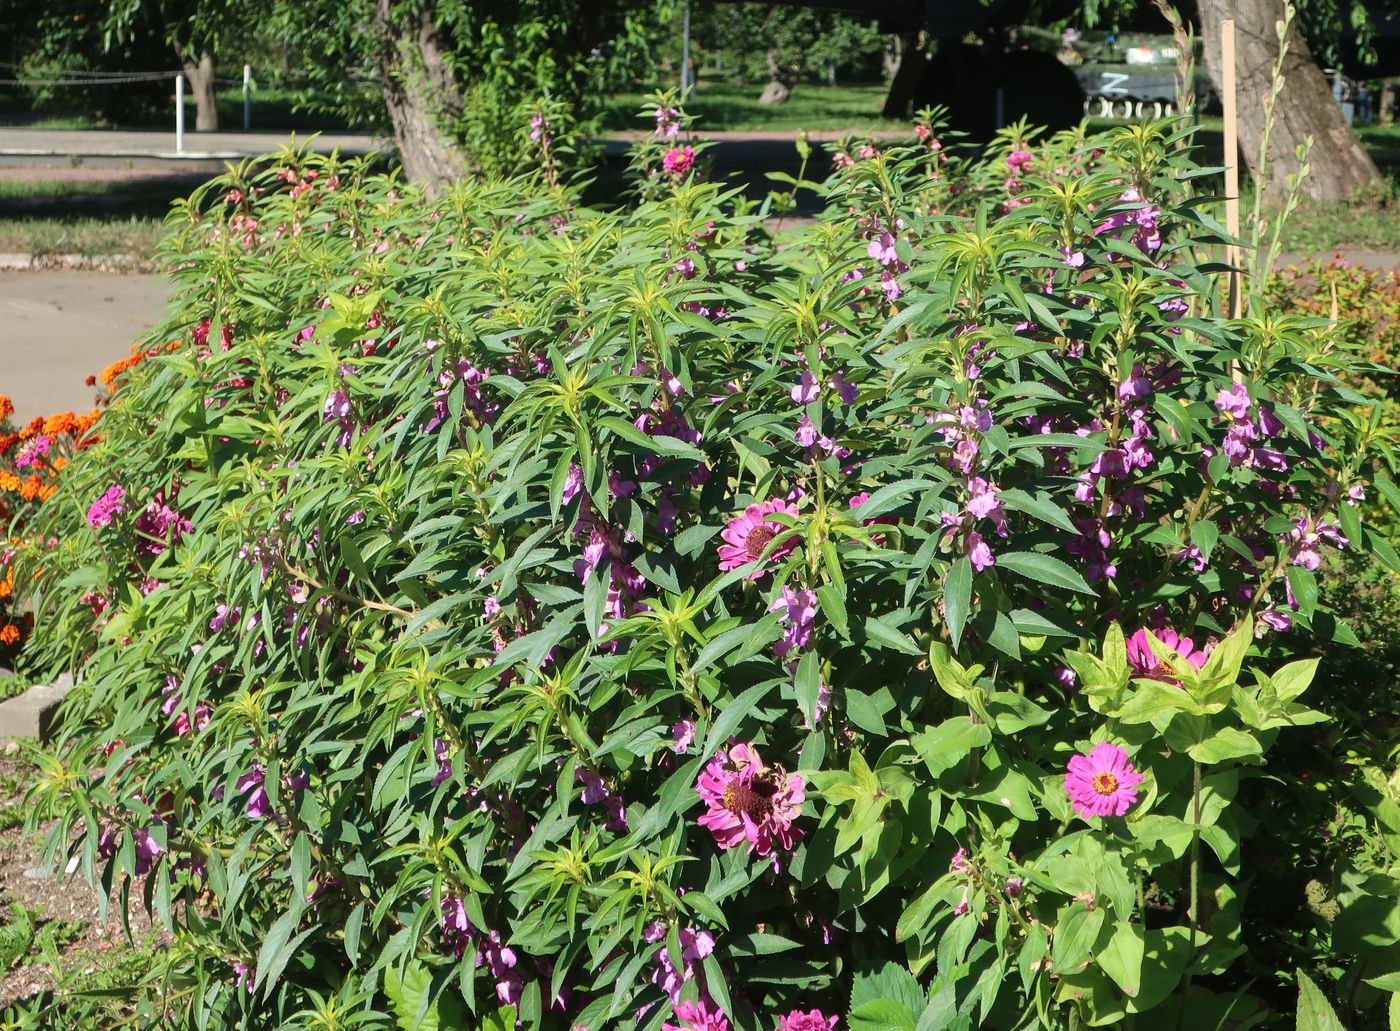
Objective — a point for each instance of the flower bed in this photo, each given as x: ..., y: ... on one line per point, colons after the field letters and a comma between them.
x: 593, y: 619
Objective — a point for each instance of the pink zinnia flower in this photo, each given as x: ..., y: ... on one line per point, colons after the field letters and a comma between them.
x: 748, y: 535
x: 1102, y: 782
x: 682, y: 736
x: 750, y: 802
x: 812, y: 1020
x: 696, y: 1016
x: 1144, y: 660
x: 107, y: 507
x: 678, y: 160
x: 31, y: 451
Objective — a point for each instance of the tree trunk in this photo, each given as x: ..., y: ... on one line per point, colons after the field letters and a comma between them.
x: 890, y: 55
x: 1340, y: 165
x: 1385, y: 112
x: 907, y: 75
x: 777, y: 90
x: 420, y: 93
x: 200, y: 75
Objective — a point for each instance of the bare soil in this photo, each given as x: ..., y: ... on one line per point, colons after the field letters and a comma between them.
x: 67, y: 898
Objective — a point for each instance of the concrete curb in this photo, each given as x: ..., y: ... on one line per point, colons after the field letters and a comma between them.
x: 32, y: 713
x: 112, y: 262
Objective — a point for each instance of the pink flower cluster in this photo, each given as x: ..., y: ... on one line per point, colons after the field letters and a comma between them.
x: 491, y: 952
x: 1147, y: 235
x: 106, y: 508
x: 1245, y: 431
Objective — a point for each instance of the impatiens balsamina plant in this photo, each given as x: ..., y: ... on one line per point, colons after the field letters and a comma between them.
x: 502, y: 612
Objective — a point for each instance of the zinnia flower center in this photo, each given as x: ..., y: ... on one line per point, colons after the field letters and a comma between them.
x: 1105, y: 783
x: 754, y: 800
x: 758, y: 539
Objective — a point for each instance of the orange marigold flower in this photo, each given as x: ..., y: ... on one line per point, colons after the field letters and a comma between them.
x: 7, y: 585
x: 9, y: 634
x: 36, y: 425
x: 8, y: 480
x: 7, y: 441
x: 7, y: 407
x: 33, y: 487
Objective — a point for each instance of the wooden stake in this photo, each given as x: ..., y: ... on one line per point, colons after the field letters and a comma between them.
x: 1232, y: 159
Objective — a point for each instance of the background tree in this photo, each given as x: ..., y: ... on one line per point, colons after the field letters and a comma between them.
x: 1327, y: 28
x: 779, y: 46
x: 456, y: 79
x: 1305, y: 108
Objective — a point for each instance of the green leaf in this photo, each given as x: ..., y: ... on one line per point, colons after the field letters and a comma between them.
x: 883, y: 1015
x: 1121, y: 958
x: 1076, y: 931
x: 1315, y: 1013
x: 957, y: 597
x: 883, y: 633
x: 1225, y: 743
x: 1037, y: 505
x: 1045, y: 569
x: 833, y: 604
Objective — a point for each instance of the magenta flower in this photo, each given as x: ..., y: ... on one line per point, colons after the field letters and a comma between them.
x: 31, y: 451
x: 682, y: 736
x: 251, y: 784
x: 697, y: 1016
x: 799, y: 609
x: 678, y: 160
x: 107, y: 507
x: 159, y: 525
x: 1144, y: 660
x: 805, y: 390
x: 1102, y: 782
x: 882, y: 249
x: 750, y: 802
x: 668, y: 122
x: 747, y: 537
x: 695, y: 946
x: 812, y: 1020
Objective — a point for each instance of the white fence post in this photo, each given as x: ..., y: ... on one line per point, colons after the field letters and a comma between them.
x: 179, y: 114
x: 247, y: 96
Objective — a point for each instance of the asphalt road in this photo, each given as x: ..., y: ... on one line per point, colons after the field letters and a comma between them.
x: 57, y: 328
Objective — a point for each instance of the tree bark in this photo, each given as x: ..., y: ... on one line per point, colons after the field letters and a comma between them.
x: 1340, y: 165
x: 777, y: 90
x: 421, y: 94
x: 200, y: 75
x: 1385, y: 112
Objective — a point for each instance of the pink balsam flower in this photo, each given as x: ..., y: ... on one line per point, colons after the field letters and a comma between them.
x: 107, y: 507
x: 750, y: 802
x: 1102, y: 782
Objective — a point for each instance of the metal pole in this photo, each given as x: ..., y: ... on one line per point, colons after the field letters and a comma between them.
x: 685, y: 53
x: 179, y: 114
x: 247, y: 96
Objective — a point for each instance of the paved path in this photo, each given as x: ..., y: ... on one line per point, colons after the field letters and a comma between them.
x: 99, y: 143
x: 57, y: 328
